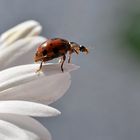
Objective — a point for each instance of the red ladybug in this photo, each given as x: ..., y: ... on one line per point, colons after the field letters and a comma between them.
x: 57, y: 47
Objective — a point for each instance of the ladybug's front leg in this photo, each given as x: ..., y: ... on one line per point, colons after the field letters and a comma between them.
x: 69, y: 58
x: 63, y: 60
x: 60, y: 60
x: 40, y: 67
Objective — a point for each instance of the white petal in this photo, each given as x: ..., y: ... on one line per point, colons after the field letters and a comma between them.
x: 26, y: 73
x: 32, y: 128
x: 27, y: 108
x: 26, y: 24
x: 18, y: 50
x: 35, y: 31
x: 46, y: 87
x: 45, y: 90
x: 9, y: 131
x: 18, y: 32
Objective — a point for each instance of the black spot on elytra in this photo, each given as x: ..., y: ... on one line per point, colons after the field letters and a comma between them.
x: 55, y: 50
x: 44, y: 52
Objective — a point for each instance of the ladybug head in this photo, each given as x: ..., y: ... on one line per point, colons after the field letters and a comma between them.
x: 78, y: 48
x: 83, y: 49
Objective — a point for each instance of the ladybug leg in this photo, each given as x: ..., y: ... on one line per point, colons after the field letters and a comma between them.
x: 60, y: 60
x: 40, y: 67
x: 63, y: 60
x: 69, y: 58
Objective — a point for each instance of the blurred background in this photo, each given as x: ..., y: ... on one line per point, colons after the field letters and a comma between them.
x: 103, y: 102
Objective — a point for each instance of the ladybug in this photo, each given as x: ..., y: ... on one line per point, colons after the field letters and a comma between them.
x: 55, y: 48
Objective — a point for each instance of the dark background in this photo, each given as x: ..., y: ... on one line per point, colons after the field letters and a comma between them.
x: 103, y: 102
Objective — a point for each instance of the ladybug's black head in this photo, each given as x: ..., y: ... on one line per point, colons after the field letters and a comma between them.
x: 83, y: 49
x: 78, y: 48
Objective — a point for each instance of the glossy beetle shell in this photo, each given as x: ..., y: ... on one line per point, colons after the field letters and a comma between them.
x: 52, y: 48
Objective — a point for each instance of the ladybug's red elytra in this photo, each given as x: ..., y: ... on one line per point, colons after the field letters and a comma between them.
x: 57, y: 47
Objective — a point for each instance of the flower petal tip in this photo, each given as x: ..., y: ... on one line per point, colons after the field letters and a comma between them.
x: 56, y: 113
x: 22, y: 30
x: 28, y: 108
x: 72, y: 67
x: 49, y: 67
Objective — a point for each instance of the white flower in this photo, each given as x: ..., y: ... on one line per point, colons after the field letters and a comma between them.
x: 16, y: 124
x: 22, y: 90
x: 18, y: 44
